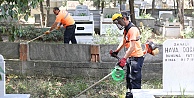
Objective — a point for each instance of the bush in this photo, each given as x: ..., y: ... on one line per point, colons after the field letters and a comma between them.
x: 188, y: 33
x: 111, y: 37
x: 17, y: 32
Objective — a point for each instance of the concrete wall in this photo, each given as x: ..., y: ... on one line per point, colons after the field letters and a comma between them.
x: 9, y: 50
x: 70, y: 60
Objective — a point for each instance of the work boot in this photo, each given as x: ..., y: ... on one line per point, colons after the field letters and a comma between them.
x: 129, y: 95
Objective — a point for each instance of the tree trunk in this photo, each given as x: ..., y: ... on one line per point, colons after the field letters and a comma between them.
x: 192, y: 3
x: 98, y: 4
x: 120, y: 2
x: 42, y: 18
x: 177, y: 1
x: 132, y: 14
x: 47, y: 12
x: 181, y: 12
x: 102, y: 5
x: 1, y: 39
x: 153, y: 6
x: 175, y: 6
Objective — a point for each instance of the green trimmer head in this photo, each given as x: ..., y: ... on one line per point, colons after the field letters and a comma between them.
x: 118, y: 73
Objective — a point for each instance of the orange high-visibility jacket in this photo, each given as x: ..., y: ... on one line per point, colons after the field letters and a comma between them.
x: 64, y: 18
x: 133, y: 34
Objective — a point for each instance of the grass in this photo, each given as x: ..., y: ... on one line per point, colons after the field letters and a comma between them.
x: 58, y: 87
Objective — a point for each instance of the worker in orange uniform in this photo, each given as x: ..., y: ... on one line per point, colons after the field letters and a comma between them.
x: 134, y: 56
x: 65, y: 19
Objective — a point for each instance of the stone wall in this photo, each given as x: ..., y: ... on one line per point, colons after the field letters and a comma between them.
x: 69, y: 60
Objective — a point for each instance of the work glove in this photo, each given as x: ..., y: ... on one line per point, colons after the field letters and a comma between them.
x: 57, y: 28
x: 113, y: 53
x: 122, y: 62
x: 47, y: 32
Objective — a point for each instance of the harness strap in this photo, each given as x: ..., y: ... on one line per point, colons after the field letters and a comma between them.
x: 127, y: 29
x: 64, y: 18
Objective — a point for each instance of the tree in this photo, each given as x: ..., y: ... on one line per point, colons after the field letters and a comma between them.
x: 16, y: 8
x: 132, y: 12
x: 153, y: 6
x: 180, y: 4
x: 97, y: 4
x: 191, y: 3
x: 47, y: 11
x: 42, y: 18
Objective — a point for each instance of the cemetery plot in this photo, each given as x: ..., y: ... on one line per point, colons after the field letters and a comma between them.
x: 2, y: 84
x: 106, y: 21
x: 178, y: 59
x: 84, y: 20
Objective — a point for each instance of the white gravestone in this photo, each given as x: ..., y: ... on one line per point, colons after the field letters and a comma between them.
x: 106, y: 21
x: 178, y: 65
x: 84, y: 24
x: 2, y: 84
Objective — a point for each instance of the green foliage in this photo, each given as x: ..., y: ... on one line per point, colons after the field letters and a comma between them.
x: 193, y: 14
x: 108, y: 15
x: 20, y: 32
x: 146, y: 33
x: 145, y: 16
x: 73, y: 87
x: 11, y: 29
x: 16, y: 8
x: 188, y: 33
x: 30, y: 32
x: 111, y: 37
x: 82, y: 14
x: 1, y: 72
x: 11, y: 12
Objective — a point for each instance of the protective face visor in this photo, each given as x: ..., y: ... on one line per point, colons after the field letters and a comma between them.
x: 120, y: 23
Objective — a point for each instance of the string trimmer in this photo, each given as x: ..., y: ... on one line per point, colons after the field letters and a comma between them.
x: 117, y: 74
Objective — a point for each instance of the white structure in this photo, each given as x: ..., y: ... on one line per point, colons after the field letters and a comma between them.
x: 84, y: 24
x: 106, y: 21
x: 178, y: 65
x: 2, y: 84
x: 178, y: 59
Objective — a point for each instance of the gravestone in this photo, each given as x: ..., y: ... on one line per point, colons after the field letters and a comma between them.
x: 82, y: 10
x: 178, y: 60
x: 2, y: 84
x: 72, y: 4
x: 162, y: 12
x: 84, y: 24
x: 106, y: 23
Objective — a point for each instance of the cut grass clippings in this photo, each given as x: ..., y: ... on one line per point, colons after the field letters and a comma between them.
x: 59, y: 87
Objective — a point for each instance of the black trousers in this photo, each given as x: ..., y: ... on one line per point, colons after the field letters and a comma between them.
x: 69, y: 34
x: 134, y: 76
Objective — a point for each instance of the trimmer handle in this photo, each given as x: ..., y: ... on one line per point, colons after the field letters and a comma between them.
x: 113, y: 54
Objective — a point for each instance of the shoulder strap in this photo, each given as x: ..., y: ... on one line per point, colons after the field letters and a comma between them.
x: 128, y: 27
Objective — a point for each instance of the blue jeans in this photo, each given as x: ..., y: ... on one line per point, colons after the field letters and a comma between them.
x: 69, y: 34
x: 133, y: 76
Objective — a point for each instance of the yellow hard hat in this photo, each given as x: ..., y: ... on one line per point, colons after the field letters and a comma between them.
x: 116, y: 16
